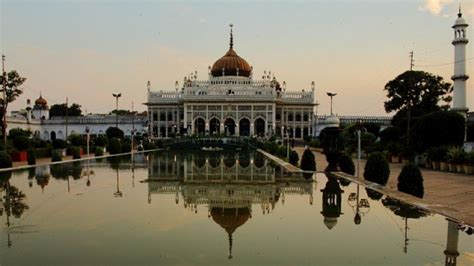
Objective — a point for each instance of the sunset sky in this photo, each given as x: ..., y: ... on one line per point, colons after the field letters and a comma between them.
x: 87, y: 50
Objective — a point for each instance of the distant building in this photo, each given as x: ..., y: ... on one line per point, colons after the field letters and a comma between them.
x: 37, y: 120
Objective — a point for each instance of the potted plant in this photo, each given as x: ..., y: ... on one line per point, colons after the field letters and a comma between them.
x: 469, y: 163
x: 455, y: 158
x: 21, y: 143
x: 60, y: 145
x: 437, y: 158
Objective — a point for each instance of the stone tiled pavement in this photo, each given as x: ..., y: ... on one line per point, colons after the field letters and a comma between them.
x: 451, y: 191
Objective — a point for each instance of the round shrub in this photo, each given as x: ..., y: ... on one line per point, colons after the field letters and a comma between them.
x: 114, y: 132
x: 281, y: 151
x: 76, y: 153
x: 346, y: 164
x: 377, y: 168
x: 115, y: 146
x: 410, y: 180
x: 99, y: 151
x: 56, y: 156
x: 76, y: 140
x: 101, y: 141
x: 21, y: 143
x: 31, y: 157
x: 59, y: 144
x: 126, y: 146
x: 308, y: 162
x: 5, y: 160
x: 374, y: 195
x: 294, y: 158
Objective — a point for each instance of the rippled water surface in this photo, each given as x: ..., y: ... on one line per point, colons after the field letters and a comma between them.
x: 211, y: 209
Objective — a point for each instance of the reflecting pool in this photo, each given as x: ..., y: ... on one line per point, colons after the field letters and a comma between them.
x: 211, y: 209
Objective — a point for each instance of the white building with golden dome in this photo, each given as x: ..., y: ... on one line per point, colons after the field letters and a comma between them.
x: 230, y: 102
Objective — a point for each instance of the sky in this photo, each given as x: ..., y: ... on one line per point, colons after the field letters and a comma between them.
x: 87, y: 50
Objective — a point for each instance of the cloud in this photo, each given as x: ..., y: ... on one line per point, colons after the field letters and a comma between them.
x: 435, y: 6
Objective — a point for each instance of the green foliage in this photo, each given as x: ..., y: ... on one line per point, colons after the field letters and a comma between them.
x: 410, y: 180
x: 415, y: 88
x: 99, y: 151
x: 56, y: 156
x: 367, y: 142
x: 308, y: 162
x: 437, y: 154
x: 372, y: 128
x: 470, y: 132
x: 470, y: 158
x: 60, y: 110
x: 281, y: 151
x: 346, y: 164
x: 31, y: 157
x: 390, y: 135
x: 42, y: 152
x: 115, y: 146
x: 122, y: 112
x: 443, y: 128
x: 456, y: 155
x: 21, y: 143
x: 294, y: 158
x: 126, y: 145
x: 101, y: 141
x: 377, y: 168
x: 17, y: 132
x: 75, y: 152
x: 76, y: 140
x: 59, y: 144
x: 114, y: 132
x: 5, y: 160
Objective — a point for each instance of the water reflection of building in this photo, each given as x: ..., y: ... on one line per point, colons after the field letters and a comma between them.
x: 451, y: 251
x: 228, y: 184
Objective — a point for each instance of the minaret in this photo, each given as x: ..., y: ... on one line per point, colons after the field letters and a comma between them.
x: 459, y: 78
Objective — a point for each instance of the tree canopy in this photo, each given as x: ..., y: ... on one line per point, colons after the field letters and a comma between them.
x: 60, y: 110
x: 416, y: 89
x: 13, y: 81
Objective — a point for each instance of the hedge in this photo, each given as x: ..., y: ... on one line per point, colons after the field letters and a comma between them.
x: 377, y: 168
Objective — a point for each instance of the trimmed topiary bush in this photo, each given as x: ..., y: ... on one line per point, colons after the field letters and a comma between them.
x: 126, y: 145
x: 76, y: 140
x: 346, y: 164
x: 410, y: 180
x: 5, y: 160
x: 308, y: 162
x: 59, y: 144
x: 31, y: 157
x: 101, y: 141
x: 99, y: 151
x: 114, y: 132
x: 294, y: 158
x: 21, y: 143
x: 115, y: 146
x: 56, y: 156
x: 377, y: 168
x: 76, y: 153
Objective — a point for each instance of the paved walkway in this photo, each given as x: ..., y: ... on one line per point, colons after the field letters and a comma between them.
x: 451, y: 192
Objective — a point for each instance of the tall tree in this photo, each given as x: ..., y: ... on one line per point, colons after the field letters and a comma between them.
x: 417, y: 90
x: 12, y: 82
x: 60, y: 110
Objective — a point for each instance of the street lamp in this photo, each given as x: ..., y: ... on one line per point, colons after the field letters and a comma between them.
x: 87, y: 139
x: 116, y: 95
x: 331, y: 94
x: 361, y: 206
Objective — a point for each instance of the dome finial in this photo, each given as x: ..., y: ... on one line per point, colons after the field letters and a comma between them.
x: 230, y: 246
x: 459, y: 13
x: 231, y: 36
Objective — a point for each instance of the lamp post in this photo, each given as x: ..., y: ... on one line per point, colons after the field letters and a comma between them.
x: 331, y: 94
x: 361, y: 206
x: 117, y: 96
x: 87, y: 139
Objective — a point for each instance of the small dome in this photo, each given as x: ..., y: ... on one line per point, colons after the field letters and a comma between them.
x: 460, y: 21
x: 41, y: 101
x: 232, y: 65
x: 333, y: 121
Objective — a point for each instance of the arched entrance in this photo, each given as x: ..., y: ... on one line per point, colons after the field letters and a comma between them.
x: 199, y: 125
x: 298, y: 133
x: 229, y: 126
x: 214, y: 126
x: 53, y: 135
x: 260, y: 127
x: 244, y: 127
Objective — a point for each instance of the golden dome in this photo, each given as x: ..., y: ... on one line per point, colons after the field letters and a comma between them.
x: 230, y: 218
x: 41, y: 101
x: 231, y: 64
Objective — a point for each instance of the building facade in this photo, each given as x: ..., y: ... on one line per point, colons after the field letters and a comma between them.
x: 230, y: 102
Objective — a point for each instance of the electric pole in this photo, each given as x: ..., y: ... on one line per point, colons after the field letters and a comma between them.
x: 411, y: 61
x: 4, y: 86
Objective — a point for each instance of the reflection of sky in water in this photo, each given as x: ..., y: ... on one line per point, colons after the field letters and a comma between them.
x: 267, y: 212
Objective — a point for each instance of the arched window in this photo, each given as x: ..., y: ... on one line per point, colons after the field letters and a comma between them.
x: 290, y: 117
x: 298, y: 117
